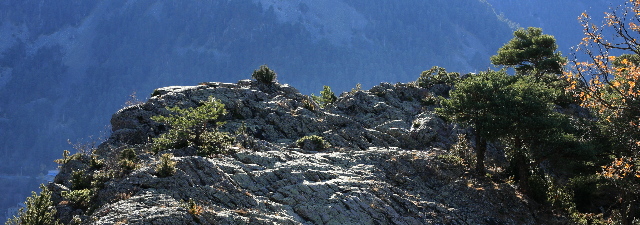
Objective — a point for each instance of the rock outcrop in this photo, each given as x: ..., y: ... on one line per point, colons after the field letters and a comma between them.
x: 388, y: 164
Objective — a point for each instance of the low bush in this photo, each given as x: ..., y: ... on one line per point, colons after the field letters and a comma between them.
x: 312, y: 143
x: 195, y: 127
x: 80, y: 199
x: 264, y: 75
x: 215, y: 142
x: 128, y: 159
x: 437, y: 75
x: 80, y: 179
x: 326, y: 97
x: 39, y: 209
x: 167, y: 166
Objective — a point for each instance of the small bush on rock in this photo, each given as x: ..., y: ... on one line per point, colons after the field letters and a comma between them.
x: 80, y: 180
x: 437, y: 75
x: 264, y: 75
x: 213, y: 143
x: 312, y: 143
x: 80, y: 199
x: 167, y: 167
x: 326, y: 97
x: 194, y: 127
x: 193, y: 208
x: 128, y: 159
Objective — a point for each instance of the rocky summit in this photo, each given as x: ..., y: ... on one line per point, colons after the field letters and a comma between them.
x: 388, y: 163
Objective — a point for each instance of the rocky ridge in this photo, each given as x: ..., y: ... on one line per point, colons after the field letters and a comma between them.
x: 388, y: 164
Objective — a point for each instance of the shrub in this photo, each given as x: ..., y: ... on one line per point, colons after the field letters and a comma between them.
x: 312, y: 143
x: 96, y: 162
x: 80, y: 199
x: 463, y: 149
x: 215, y: 142
x: 80, y: 180
x: 173, y: 139
x: 167, y: 167
x: 326, y: 97
x: 451, y: 159
x: 192, y: 127
x: 436, y: 75
x: 67, y: 157
x: 193, y: 208
x: 128, y: 159
x: 264, y: 75
x: 39, y: 210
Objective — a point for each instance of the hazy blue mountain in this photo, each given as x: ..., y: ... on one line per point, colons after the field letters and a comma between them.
x: 558, y: 18
x: 66, y: 66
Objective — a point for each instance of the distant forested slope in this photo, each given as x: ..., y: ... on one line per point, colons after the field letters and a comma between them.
x: 555, y: 17
x: 67, y: 65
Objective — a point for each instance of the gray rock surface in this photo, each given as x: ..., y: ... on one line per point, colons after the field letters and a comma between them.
x: 386, y: 165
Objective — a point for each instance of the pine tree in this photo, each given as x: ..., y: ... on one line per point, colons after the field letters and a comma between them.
x: 39, y: 210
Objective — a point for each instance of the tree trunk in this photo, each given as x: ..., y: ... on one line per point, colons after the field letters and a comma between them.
x: 521, y: 165
x: 481, y: 148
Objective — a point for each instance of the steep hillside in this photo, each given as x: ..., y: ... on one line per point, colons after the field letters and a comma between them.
x: 367, y: 176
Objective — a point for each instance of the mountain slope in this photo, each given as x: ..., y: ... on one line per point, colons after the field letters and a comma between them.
x: 66, y: 65
x: 361, y: 179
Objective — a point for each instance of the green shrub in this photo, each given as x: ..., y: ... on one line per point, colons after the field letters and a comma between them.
x: 215, y: 142
x: 102, y: 176
x: 67, y: 157
x: 451, y: 159
x: 326, y: 97
x: 128, y: 159
x: 538, y: 188
x: 96, y: 163
x: 174, y: 139
x: 312, y: 143
x: 80, y: 199
x: 194, y: 127
x: 167, y: 167
x: 436, y: 75
x: 463, y: 149
x: 80, y: 180
x: 39, y: 210
x: 430, y: 100
x: 264, y: 75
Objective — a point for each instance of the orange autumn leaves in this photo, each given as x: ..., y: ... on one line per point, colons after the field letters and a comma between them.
x: 621, y: 168
x: 607, y: 82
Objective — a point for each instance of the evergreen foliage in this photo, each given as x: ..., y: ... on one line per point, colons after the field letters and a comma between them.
x: 531, y: 52
x: 326, y: 97
x: 437, y: 75
x: 167, y: 166
x: 195, y: 127
x: 80, y: 199
x: 128, y: 159
x: 39, y: 210
x: 312, y: 143
x: 264, y: 75
x: 501, y: 107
